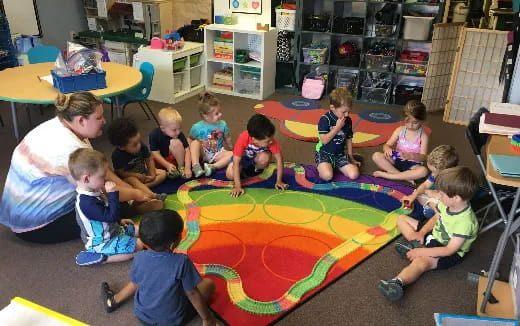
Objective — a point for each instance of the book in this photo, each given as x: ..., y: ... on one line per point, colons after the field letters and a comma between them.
x: 503, y: 120
x: 506, y: 165
x: 486, y: 128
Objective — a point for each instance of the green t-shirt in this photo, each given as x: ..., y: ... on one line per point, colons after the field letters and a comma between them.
x: 462, y: 224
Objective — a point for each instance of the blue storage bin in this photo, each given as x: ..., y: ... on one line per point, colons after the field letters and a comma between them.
x: 83, y: 82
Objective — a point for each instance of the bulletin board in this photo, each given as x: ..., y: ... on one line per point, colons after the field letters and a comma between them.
x: 22, y: 16
x: 475, y: 79
x: 440, y: 65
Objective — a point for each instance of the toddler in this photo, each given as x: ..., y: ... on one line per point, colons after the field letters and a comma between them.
x: 335, y: 133
x: 169, y: 146
x: 406, y: 149
x: 209, y: 135
x: 107, y: 238
x: 442, y: 244
x: 168, y: 289
x: 132, y: 160
x: 252, y: 153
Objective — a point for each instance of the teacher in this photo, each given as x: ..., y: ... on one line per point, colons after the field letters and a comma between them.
x: 38, y: 199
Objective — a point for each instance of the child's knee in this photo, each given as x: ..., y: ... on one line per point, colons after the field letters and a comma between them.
x: 326, y: 175
x: 262, y: 160
x: 376, y: 156
x: 175, y: 144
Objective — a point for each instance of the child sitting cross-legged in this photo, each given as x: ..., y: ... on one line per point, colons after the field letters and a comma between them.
x: 132, y: 160
x: 444, y: 239
x: 107, y: 237
x: 442, y: 157
x: 169, y: 146
x: 252, y: 153
x: 168, y: 289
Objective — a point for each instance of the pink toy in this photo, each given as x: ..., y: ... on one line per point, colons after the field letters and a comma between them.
x: 156, y: 43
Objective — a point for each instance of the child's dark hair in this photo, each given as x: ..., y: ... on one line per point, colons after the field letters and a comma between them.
x: 207, y: 101
x: 459, y: 180
x: 159, y: 229
x: 415, y: 109
x: 260, y: 127
x: 86, y: 161
x: 121, y: 130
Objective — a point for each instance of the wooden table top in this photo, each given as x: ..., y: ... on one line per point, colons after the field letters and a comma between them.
x: 21, y: 84
x: 500, y: 145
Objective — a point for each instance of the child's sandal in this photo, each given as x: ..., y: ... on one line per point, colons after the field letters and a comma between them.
x: 107, y: 295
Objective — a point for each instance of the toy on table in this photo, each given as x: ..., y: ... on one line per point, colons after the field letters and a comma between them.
x: 173, y: 41
x: 515, y: 143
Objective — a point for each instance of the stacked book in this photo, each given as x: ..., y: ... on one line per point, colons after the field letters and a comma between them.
x: 504, y: 119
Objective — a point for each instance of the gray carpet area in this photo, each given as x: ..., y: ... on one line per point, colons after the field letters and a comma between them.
x: 47, y: 274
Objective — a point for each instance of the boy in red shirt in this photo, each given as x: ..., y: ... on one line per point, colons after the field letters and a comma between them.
x: 252, y: 152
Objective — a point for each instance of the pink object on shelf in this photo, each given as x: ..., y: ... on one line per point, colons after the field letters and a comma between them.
x: 156, y: 43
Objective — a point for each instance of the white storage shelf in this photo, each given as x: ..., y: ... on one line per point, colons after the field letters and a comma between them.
x: 253, y: 79
x: 173, y: 87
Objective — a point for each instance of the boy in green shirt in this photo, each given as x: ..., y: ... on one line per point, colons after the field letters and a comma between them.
x: 444, y: 239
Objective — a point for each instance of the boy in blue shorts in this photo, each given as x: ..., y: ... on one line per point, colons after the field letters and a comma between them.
x: 252, y: 153
x: 335, y: 133
x: 105, y: 234
x: 443, y: 244
x: 168, y: 289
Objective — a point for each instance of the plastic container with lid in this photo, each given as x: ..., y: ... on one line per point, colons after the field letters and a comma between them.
x: 417, y: 28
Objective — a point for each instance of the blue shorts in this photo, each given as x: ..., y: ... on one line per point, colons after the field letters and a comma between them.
x: 445, y: 261
x: 123, y: 243
x: 404, y: 165
x: 336, y: 160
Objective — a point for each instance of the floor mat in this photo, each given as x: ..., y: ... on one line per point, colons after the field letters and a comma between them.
x: 270, y: 250
x: 299, y: 119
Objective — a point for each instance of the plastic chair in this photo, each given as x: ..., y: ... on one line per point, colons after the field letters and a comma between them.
x: 43, y: 53
x: 139, y: 94
x: 498, y: 192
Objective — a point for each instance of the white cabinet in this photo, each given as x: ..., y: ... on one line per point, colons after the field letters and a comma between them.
x: 177, y: 73
x: 228, y: 73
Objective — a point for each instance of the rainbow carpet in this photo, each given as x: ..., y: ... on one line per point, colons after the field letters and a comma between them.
x: 270, y: 250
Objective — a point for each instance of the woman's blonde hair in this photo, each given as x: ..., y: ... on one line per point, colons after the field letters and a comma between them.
x: 168, y: 115
x: 206, y: 102
x: 415, y: 109
x: 340, y: 96
x: 77, y: 104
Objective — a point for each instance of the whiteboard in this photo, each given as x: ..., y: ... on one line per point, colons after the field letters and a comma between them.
x: 22, y: 16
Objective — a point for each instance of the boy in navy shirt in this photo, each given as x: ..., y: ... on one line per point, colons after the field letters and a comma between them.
x: 168, y: 289
x: 335, y: 133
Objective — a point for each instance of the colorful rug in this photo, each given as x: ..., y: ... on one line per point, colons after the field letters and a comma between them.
x: 299, y: 119
x: 269, y: 250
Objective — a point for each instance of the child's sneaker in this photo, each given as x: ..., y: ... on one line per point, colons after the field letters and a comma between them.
x: 175, y: 174
x: 402, y: 247
x: 86, y: 258
x: 161, y: 196
x: 197, y: 170
x: 391, y: 289
x: 208, y: 169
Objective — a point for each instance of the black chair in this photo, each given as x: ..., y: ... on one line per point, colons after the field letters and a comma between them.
x: 500, y: 193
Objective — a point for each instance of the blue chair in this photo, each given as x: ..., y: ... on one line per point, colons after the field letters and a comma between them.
x: 43, y: 53
x: 139, y: 94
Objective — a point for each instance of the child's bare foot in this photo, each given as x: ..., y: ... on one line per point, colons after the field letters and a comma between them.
x: 379, y: 174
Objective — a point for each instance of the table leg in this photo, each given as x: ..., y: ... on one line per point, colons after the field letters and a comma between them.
x: 118, y: 108
x: 502, y: 242
x: 15, y: 122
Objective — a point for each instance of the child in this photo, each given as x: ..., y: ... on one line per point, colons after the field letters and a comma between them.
x: 208, y: 137
x: 253, y: 151
x: 132, y: 160
x: 168, y: 289
x: 97, y: 214
x: 335, y: 131
x: 169, y: 145
x: 446, y: 241
x: 442, y: 157
x: 411, y: 146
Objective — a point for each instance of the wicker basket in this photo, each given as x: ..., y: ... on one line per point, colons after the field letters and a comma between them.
x: 285, y: 19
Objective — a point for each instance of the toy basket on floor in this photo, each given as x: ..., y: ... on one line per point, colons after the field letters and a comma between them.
x: 316, y: 23
x: 347, y: 79
x: 313, y: 86
x: 315, y: 54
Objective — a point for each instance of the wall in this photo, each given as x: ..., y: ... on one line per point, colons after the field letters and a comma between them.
x: 58, y: 18
x: 184, y: 11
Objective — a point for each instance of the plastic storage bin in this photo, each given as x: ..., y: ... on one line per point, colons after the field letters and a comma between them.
x: 83, y: 82
x: 195, y: 76
x: 316, y: 23
x: 194, y: 59
x: 315, y: 55
x: 376, y: 92
x: 347, y: 79
x: 417, y: 28
x: 179, y: 64
x: 285, y: 19
x: 408, y: 89
x: 378, y: 62
x: 417, y: 69
x: 348, y: 25
x: 177, y: 81
x: 384, y: 30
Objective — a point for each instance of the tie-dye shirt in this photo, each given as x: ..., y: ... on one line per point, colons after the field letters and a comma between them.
x: 37, y: 190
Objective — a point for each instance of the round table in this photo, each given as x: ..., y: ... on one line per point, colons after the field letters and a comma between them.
x: 24, y: 85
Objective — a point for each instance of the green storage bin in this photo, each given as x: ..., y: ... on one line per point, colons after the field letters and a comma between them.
x: 179, y: 64
x: 194, y: 59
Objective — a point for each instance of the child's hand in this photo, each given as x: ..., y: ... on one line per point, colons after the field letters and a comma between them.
x: 171, y: 168
x: 340, y: 122
x: 237, y: 191
x: 281, y: 185
x: 110, y: 186
x: 414, y: 253
x: 388, y: 152
x: 126, y: 221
